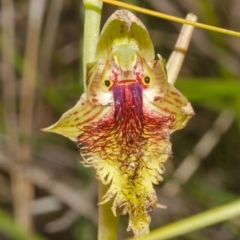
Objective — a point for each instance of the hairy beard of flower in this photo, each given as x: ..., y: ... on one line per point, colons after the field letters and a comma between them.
x: 127, y: 148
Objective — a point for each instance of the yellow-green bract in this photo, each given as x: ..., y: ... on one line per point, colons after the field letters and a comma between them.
x: 122, y: 123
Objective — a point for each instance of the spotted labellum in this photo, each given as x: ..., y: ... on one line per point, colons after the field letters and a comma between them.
x: 122, y: 123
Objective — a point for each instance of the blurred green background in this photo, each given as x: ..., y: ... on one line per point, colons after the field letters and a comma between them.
x: 42, y: 181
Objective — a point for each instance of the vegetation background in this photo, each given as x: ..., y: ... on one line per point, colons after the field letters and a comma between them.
x: 42, y: 182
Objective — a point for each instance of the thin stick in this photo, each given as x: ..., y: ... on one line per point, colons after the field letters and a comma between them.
x: 172, y: 18
x: 198, y: 221
x: 23, y: 190
x: 52, y: 22
x: 8, y: 77
x: 176, y: 59
x: 29, y: 79
x: 10, y: 114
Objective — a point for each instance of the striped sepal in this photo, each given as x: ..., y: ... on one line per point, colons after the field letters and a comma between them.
x: 72, y: 122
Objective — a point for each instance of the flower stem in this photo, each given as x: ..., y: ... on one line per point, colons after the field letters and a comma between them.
x: 93, y: 9
x: 108, y: 223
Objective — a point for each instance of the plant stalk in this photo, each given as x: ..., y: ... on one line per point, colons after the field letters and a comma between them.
x: 92, y: 18
x: 108, y: 223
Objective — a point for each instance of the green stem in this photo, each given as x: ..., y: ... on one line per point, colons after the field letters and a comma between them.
x: 108, y: 223
x: 196, y: 222
x: 93, y: 9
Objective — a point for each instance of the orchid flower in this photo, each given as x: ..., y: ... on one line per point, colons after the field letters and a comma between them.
x: 122, y: 123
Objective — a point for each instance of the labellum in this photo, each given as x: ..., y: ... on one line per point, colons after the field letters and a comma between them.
x: 122, y: 123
